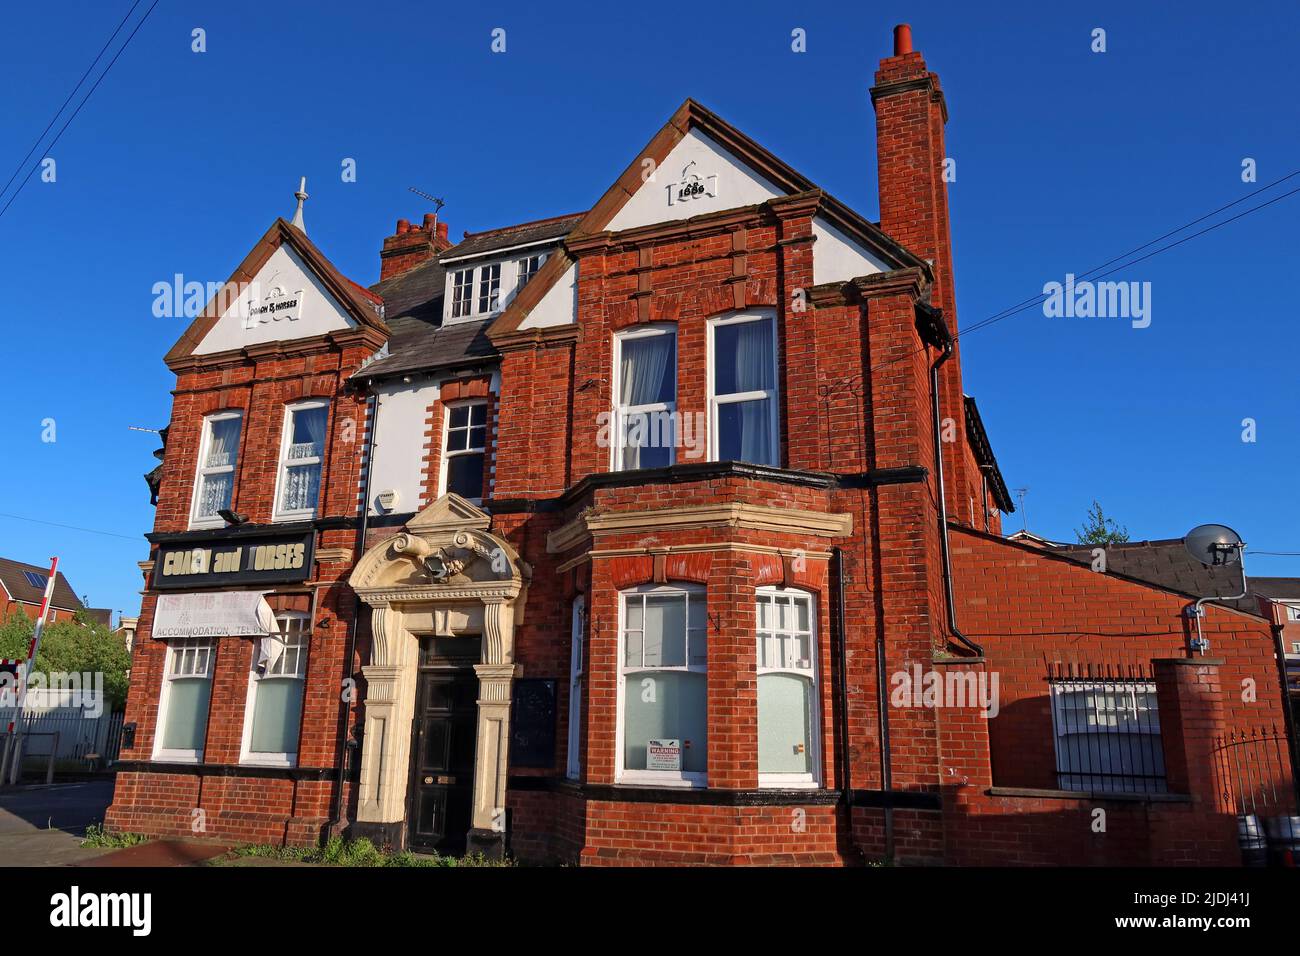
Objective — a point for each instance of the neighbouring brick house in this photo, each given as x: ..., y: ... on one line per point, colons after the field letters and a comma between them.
x: 22, y: 589
x: 621, y: 537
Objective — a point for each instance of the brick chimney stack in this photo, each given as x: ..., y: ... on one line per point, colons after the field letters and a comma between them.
x: 410, y: 246
x: 910, y: 118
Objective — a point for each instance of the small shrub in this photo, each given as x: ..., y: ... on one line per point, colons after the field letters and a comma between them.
x: 97, y: 836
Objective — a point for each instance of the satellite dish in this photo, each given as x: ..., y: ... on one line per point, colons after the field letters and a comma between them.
x: 1214, y: 545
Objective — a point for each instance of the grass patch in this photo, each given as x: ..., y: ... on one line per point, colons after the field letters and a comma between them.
x: 97, y: 836
x: 340, y: 852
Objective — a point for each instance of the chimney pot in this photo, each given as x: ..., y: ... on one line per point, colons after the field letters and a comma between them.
x: 442, y: 232
x: 902, y: 39
x: 429, y: 219
x: 403, y: 227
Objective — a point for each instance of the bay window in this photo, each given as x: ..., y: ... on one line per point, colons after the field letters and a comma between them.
x: 464, y: 449
x: 743, y: 411
x: 302, y: 451
x: 788, y: 752
x: 273, y: 711
x: 214, y: 481
x: 663, y: 687
x: 645, y: 387
x: 183, y: 706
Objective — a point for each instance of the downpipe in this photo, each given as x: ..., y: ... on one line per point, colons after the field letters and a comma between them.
x: 346, y: 745
x: 977, y: 649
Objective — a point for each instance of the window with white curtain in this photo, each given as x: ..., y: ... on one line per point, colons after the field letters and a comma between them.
x: 743, y: 411
x: 183, y: 705
x: 215, y: 478
x: 663, y: 686
x: 645, y: 388
x: 464, y: 449
x: 273, y: 709
x: 573, y: 768
x: 787, y: 688
x: 302, y: 452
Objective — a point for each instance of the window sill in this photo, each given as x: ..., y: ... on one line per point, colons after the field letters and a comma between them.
x: 793, y: 782
x: 178, y: 756
x: 268, y: 760
x: 654, y: 778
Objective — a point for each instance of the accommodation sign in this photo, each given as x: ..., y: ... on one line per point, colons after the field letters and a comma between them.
x: 214, y: 564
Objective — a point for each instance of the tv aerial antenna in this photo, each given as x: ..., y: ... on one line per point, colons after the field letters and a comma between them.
x: 437, y: 202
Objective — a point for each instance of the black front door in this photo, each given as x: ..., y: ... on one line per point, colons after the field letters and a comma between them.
x: 442, y: 761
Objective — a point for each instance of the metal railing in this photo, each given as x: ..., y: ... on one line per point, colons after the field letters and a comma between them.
x: 1252, y: 769
x: 1106, y: 729
x: 59, y: 737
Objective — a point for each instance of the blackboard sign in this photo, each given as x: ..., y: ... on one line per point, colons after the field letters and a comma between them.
x: 532, y: 723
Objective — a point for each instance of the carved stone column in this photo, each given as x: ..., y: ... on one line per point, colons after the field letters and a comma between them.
x: 491, y: 760
x: 390, y: 705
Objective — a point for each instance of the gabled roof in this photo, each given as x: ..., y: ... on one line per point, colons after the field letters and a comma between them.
x: 691, y: 115
x: 1276, y: 589
x: 493, y: 240
x: 13, y: 576
x: 988, y: 462
x: 1166, y: 563
x: 361, y: 304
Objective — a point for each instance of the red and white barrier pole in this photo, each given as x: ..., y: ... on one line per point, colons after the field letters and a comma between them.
x: 35, y: 641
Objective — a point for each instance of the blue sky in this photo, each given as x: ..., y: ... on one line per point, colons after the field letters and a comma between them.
x: 1065, y: 158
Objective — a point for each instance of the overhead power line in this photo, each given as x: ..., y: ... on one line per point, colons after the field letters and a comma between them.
x: 59, y: 112
x: 23, y: 182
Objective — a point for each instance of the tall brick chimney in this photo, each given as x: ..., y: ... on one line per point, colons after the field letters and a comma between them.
x: 910, y: 154
x: 411, y: 245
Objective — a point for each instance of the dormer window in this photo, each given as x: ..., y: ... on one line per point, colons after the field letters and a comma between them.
x: 528, y: 267
x: 489, y: 287
x: 462, y: 287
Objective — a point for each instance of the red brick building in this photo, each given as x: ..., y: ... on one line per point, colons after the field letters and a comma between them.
x: 658, y: 533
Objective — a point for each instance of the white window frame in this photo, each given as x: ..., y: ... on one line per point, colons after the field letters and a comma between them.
x: 621, y: 412
x: 658, y: 778
x: 1150, y: 728
x: 577, y: 678
x: 462, y: 305
x: 812, y: 778
x: 182, y: 647
x: 201, y: 472
x: 282, y: 468
x: 446, y: 434
x: 488, y: 299
x: 524, y: 275
x: 302, y: 642
x: 1292, y: 612
x: 714, y: 400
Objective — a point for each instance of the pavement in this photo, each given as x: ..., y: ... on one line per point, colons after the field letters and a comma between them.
x: 44, y: 826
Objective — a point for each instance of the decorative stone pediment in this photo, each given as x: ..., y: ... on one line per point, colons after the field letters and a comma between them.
x: 445, y: 554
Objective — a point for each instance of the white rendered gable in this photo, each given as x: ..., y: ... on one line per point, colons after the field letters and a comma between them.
x: 838, y: 258
x: 698, y: 176
x: 285, y: 301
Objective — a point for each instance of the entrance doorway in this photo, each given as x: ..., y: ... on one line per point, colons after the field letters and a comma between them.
x: 438, y: 809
